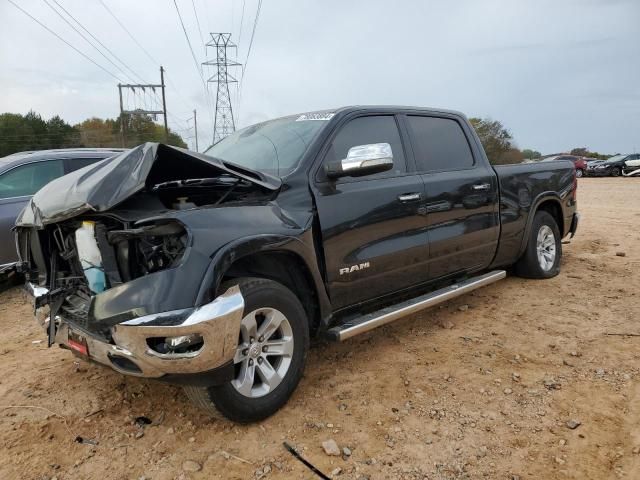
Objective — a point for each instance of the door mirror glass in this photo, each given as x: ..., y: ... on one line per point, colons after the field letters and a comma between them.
x: 362, y: 160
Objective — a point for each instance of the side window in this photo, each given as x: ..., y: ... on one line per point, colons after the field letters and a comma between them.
x: 74, y: 164
x: 365, y: 131
x: 439, y: 144
x: 28, y: 179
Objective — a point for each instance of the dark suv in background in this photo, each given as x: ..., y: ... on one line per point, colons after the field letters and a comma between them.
x: 613, y: 166
x: 23, y: 174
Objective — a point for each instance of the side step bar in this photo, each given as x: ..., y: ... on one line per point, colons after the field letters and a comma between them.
x: 389, y: 314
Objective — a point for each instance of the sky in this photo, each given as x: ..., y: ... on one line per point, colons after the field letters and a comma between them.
x: 557, y: 74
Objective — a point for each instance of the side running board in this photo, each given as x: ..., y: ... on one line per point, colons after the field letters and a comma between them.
x: 389, y: 314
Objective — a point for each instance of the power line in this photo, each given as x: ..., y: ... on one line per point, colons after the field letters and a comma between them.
x: 87, y: 40
x: 99, y: 42
x: 246, y: 61
x: 195, y: 61
x: 253, y: 33
x: 195, y: 12
x: 153, y: 60
x: 241, y: 22
x: 62, y: 39
x: 186, y: 35
x: 144, y: 50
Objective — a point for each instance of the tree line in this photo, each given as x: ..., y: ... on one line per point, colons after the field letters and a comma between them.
x: 501, y: 149
x: 20, y: 133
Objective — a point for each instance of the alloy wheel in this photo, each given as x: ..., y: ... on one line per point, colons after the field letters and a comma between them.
x: 264, y: 352
x: 546, y: 248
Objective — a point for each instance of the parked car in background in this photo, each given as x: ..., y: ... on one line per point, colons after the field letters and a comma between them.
x: 632, y: 164
x: 611, y: 167
x: 579, y: 162
x: 591, y: 165
x: 23, y: 174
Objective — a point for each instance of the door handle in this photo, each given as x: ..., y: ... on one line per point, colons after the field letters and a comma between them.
x: 409, y: 197
x: 481, y: 186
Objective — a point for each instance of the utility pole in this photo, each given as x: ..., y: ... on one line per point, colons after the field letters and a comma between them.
x: 224, y: 123
x: 121, y: 116
x: 143, y: 111
x: 195, y: 127
x: 164, y: 106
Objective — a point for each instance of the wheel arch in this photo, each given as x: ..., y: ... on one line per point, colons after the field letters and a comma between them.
x: 279, y: 258
x: 551, y: 204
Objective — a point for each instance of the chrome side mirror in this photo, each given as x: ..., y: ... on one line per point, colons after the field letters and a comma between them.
x: 362, y: 160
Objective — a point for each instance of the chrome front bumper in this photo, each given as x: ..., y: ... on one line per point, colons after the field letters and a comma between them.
x: 131, y: 353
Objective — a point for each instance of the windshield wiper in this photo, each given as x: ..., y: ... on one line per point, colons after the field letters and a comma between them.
x: 222, y: 181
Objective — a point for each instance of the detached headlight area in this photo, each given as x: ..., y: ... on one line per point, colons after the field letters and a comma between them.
x: 149, y: 248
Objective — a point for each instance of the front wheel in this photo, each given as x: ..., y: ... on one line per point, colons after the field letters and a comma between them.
x: 579, y: 173
x: 542, y: 255
x: 270, y: 356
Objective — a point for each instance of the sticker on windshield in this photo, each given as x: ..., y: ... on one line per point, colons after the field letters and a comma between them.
x: 315, y: 116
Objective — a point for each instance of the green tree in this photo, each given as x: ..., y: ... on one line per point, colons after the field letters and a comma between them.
x: 140, y: 128
x: 531, y: 154
x: 15, y: 134
x: 580, y: 152
x: 20, y: 133
x: 60, y: 134
x: 97, y: 132
x: 496, y: 140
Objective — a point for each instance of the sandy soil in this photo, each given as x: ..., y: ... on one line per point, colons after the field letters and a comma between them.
x: 481, y: 387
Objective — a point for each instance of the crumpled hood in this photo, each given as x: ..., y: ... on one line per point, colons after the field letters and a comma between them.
x: 102, y: 186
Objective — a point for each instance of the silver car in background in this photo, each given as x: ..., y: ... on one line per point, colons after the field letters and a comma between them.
x: 23, y: 174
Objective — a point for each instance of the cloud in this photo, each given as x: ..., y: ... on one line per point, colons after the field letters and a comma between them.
x: 554, y: 72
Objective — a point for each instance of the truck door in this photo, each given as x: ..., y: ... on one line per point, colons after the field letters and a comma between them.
x: 461, y: 196
x: 373, y: 227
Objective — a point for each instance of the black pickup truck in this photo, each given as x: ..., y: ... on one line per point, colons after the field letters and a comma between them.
x: 213, y: 271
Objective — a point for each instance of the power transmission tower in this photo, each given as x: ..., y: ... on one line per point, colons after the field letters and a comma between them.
x: 142, y: 87
x: 224, y: 123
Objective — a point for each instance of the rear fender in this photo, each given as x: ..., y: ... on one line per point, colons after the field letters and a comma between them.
x: 540, y: 199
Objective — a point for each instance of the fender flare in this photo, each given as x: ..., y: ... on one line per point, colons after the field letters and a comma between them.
x: 224, y: 257
x: 542, y: 197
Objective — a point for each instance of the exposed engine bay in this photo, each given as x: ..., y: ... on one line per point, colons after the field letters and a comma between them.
x: 113, y: 222
x: 199, y: 192
x: 126, y: 253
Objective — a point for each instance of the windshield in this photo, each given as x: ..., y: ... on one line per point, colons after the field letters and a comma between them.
x: 615, y: 158
x: 274, y: 147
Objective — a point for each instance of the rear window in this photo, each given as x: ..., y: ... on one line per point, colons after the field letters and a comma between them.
x: 78, y: 163
x: 27, y: 179
x: 439, y: 144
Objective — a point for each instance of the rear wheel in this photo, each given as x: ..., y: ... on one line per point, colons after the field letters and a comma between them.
x: 579, y: 173
x: 615, y: 172
x: 270, y: 356
x: 542, y: 255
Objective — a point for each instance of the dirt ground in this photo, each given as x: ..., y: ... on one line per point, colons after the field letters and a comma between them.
x: 482, y: 387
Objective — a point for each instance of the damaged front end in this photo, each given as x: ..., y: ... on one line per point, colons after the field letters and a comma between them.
x: 115, y: 269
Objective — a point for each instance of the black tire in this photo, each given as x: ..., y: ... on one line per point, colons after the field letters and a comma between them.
x: 529, y: 265
x: 615, y: 172
x: 260, y: 293
x: 579, y: 173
